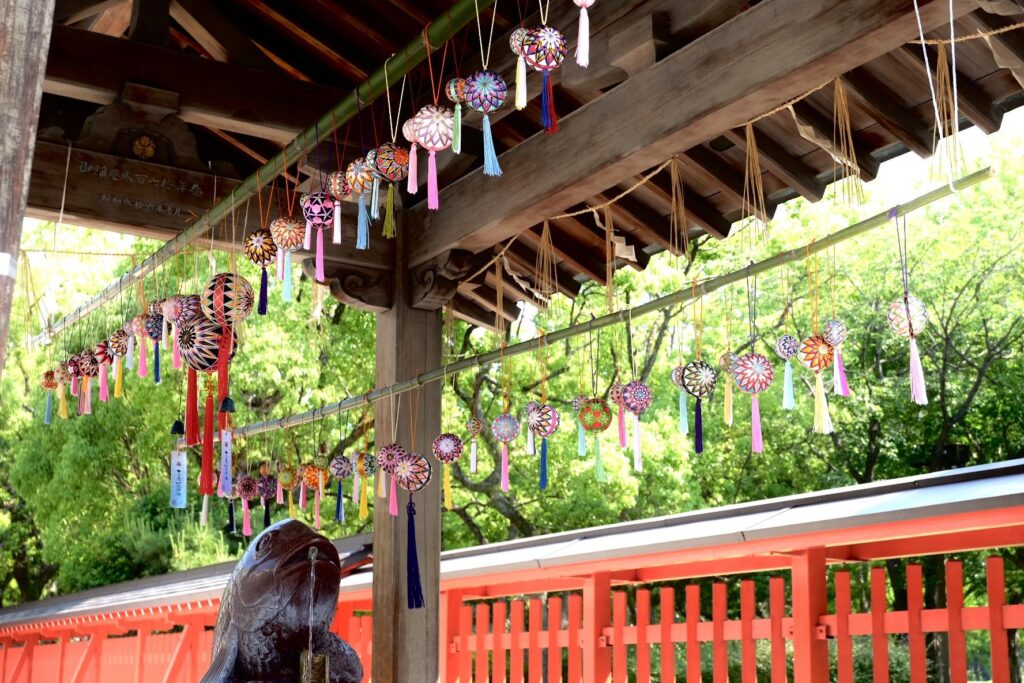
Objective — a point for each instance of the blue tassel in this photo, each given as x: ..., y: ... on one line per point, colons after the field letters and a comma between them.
x: 581, y: 440
x: 156, y: 362
x: 48, y: 415
x: 339, y: 507
x: 286, y: 286
x: 264, y: 287
x: 548, y: 117
x: 363, y: 226
x: 684, y: 420
x: 375, y: 200
x: 231, y: 516
x: 543, y: 463
x: 266, y: 513
x: 698, y: 430
x: 788, y: 399
x: 491, y: 166
x: 414, y: 588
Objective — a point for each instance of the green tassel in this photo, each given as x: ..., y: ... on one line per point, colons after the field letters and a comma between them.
x: 599, y: 473
x: 457, y: 133
x: 389, y: 213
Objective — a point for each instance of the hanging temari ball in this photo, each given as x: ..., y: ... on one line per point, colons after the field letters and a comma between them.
x: 260, y: 247
x: 907, y: 319
x: 412, y: 472
x: 699, y: 379
x: 200, y: 343
x: 753, y: 373
x: 815, y: 353
x: 595, y: 415
x: 636, y: 397
x: 227, y: 299
x: 392, y: 162
x: 288, y: 233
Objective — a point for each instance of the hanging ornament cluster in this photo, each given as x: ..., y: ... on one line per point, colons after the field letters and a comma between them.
x: 907, y: 317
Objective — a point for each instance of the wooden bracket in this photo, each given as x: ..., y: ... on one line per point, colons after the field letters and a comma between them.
x: 433, y: 284
x: 365, y: 289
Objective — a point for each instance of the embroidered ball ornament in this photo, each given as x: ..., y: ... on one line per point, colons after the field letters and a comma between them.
x: 787, y: 346
x: 287, y: 233
x: 474, y: 426
x: 815, y: 353
x: 338, y: 187
x: 260, y: 247
x: 455, y: 89
x: 486, y: 92
x: 388, y: 456
x: 595, y: 415
x: 699, y: 379
x: 505, y: 428
x: 186, y: 308
x: 615, y: 393
x: 288, y: 478
x: 543, y: 421
x: 49, y: 380
x: 907, y: 319
x: 516, y: 40
x: 412, y: 472
x: 359, y: 176
x: 155, y: 307
x: 155, y: 327
x: 87, y: 365
x: 434, y: 131
x: 544, y: 49
x: 577, y: 402
x: 340, y: 467
x: 392, y: 162
x: 366, y: 464
x: 117, y: 344
x: 636, y: 397
x: 200, y: 344
x: 447, y: 448
x: 227, y: 299
x: 834, y: 332
x: 267, y: 484
x: 318, y: 209
x: 753, y: 373
x: 311, y: 476
x: 61, y: 374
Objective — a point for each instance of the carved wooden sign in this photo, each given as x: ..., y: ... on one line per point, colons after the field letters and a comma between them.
x: 125, y: 195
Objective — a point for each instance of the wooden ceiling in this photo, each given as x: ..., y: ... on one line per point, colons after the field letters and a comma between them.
x: 271, y: 67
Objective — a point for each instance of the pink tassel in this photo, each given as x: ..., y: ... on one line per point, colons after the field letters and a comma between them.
x: 319, y: 255
x: 918, y: 390
x: 504, y: 467
x: 302, y: 496
x: 414, y: 176
x: 307, y: 239
x: 74, y: 386
x: 87, y: 391
x: 839, y: 385
x: 143, y: 364
x: 176, y: 351
x: 355, y: 487
x: 622, y: 427
x: 316, y: 506
x: 246, y: 518
x: 104, y: 388
x: 336, y: 238
x: 393, y: 498
x: 81, y: 401
x: 433, y: 203
x: 756, y: 444
x: 280, y: 493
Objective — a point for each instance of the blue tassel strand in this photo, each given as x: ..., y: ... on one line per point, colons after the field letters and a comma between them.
x: 264, y: 287
x: 286, y: 286
x: 543, y: 463
x: 698, y: 430
x: 491, y: 166
x: 339, y: 507
x: 581, y: 440
x: 788, y: 399
x: 414, y: 589
x: 363, y: 225
x: 684, y: 420
x: 231, y: 517
x: 156, y: 362
x: 375, y: 199
x: 48, y: 415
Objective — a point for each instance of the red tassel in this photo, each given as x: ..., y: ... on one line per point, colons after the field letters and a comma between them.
x: 206, y: 473
x: 192, y: 410
x: 223, y: 381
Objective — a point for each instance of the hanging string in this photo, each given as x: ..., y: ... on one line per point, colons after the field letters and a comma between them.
x: 752, y: 306
x: 812, y: 285
x: 435, y: 84
x: 679, y: 238
x: 845, y: 169
x: 753, y: 204
x: 698, y: 318
x: 609, y: 256
x: 485, y: 54
x: 63, y: 197
x: 545, y: 9
x: 394, y: 123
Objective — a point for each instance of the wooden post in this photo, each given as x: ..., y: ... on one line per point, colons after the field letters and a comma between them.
x: 597, y: 614
x: 450, y: 603
x: 25, y: 26
x: 405, y: 641
x: 810, y: 601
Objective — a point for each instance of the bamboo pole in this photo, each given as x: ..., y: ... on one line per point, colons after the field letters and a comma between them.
x: 679, y: 297
x: 437, y: 32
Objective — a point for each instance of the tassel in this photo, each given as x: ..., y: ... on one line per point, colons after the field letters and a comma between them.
x: 839, y: 384
x: 622, y: 427
x: 191, y: 409
x: 286, y: 286
x: 339, y: 505
x: 307, y: 237
x: 261, y: 308
x: 382, y: 489
x: 433, y: 203
x: 375, y: 199
x: 599, y: 473
x: 143, y: 361
x: 543, y: 463
x: 302, y: 496
x: 266, y: 513
x: 74, y: 386
x: 822, y: 420
x: 165, y: 333
x: 48, y: 414
x: 638, y: 463
x: 104, y: 385
x: 363, y: 225
x: 727, y: 412
x: 583, y: 42
x: 316, y: 509
x: 226, y: 465
x: 176, y: 347
x: 246, y: 518
x: 472, y: 457
x: 548, y: 115
x: 156, y: 362
x: 291, y: 506
x: 520, y: 83
x: 531, y: 442
x: 129, y: 357
x: 756, y: 444
x: 364, y: 507
x: 457, y: 130
x: 788, y: 397
x: 87, y: 390
x: 206, y: 468
x: 504, y: 467
x: 389, y: 213
x: 280, y: 492
x: 413, y: 184
x: 447, y: 486
x: 336, y: 236
x: 491, y: 165
x: 393, y: 498
x: 355, y: 486
x: 204, y: 516
x: 581, y: 440
x: 281, y: 256
x: 319, y: 255
x: 918, y: 390
x: 413, y: 588
x: 118, y: 378
x: 62, y: 402
x: 698, y: 429
x: 684, y: 419
x: 231, y: 517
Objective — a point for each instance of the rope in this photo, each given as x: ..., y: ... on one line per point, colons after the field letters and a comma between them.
x: 970, y: 36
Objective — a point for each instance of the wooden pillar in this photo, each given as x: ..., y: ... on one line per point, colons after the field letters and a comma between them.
x: 597, y: 614
x: 405, y: 641
x: 451, y: 602
x: 25, y: 26
x: 810, y: 601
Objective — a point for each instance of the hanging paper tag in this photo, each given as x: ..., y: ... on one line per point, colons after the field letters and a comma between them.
x: 179, y: 479
x: 225, y: 463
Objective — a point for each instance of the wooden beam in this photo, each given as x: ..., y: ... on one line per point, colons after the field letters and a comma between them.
x: 24, y: 660
x: 796, y: 44
x: 526, y: 259
x: 473, y: 313
x: 150, y: 22
x: 823, y: 132
x: 113, y: 21
x: 635, y: 219
x: 73, y: 11
x: 211, y: 93
x: 882, y: 104
x: 780, y: 163
x: 91, y: 654
x: 218, y: 34
x: 487, y: 297
x: 724, y: 176
x: 25, y: 29
x: 575, y: 257
x: 973, y: 102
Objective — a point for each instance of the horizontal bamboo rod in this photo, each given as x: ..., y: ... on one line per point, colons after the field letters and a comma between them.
x: 438, y: 32
x: 682, y: 296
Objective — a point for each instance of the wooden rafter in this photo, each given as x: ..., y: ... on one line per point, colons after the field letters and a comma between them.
x: 824, y: 129
x: 780, y: 163
x: 219, y: 35
x: 722, y: 174
x: 73, y: 11
x: 884, y: 106
x: 974, y: 103
x: 112, y: 21
x: 150, y: 21
x: 578, y: 259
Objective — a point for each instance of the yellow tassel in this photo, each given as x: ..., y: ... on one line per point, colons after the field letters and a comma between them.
x: 822, y: 421
x: 62, y: 405
x: 382, y: 490
x: 845, y: 171
x: 727, y: 413
x: 545, y: 265
x: 291, y: 506
x: 118, y: 378
x: 389, y: 213
x: 447, y: 487
x: 364, y: 507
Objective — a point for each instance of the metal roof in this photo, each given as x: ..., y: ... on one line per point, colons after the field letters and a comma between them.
x: 984, y: 487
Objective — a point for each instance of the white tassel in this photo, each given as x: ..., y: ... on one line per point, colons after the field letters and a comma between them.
x: 583, y: 43
x: 531, y: 443
x: 638, y: 463
x: 307, y: 238
x: 336, y: 238
x: 520, y: 83
x: 472, y: 457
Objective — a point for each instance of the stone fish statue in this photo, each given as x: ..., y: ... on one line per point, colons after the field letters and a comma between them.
x: 265, y: 613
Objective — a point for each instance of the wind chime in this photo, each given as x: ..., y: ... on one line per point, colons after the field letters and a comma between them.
x: 260, y: 247
x: 387, y: 459
x: 907, y: 318
x: 543, y: 419
x: 698, y: 377
x: 318, y: 210
x: 816, y: 354
x: 485, y: 91
x: 341, y: 469
x: 543, y: 49
x: 786, y: 347
x: 412, y: 471
x: 288, y: 233
x: 753, y: 372
x: 505, y: 427
x: 433, y: 126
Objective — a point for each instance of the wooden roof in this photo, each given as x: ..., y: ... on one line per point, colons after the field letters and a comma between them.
x: 273, y: 67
